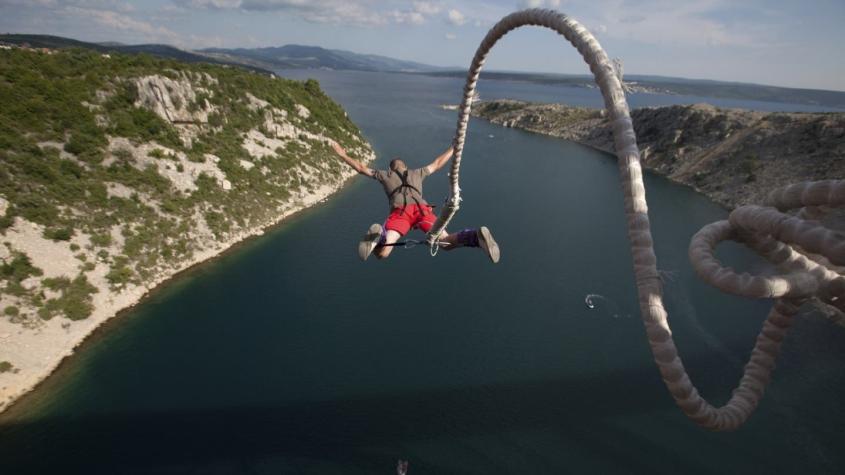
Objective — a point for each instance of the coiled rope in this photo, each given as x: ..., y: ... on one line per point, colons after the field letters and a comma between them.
x: 767, y: 230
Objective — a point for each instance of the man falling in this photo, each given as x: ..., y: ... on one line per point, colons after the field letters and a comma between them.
x: 408, y: 209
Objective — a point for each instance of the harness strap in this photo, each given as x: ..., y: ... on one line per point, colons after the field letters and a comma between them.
x: 409, y: 243
x: 404, y: 177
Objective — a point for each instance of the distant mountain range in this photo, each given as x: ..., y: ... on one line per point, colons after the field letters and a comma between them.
x: 307, y: 57
x: 270, y: 59
x: 260, y: 59
x: 163, y: 51
x: 678, y: 86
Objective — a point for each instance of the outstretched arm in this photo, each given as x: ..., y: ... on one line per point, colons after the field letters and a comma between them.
x: 441, y: 160
x: 355, y: 164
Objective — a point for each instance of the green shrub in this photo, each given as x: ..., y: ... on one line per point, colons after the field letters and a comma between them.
x: 16, y: 289
x: 75, y: 302
x: 6, y: 367
x: 122, y: 154
x: 101, y: 239
x: 217, y: 222
x: 87, y: 145
x: 56, y: 283
x: 59, y: 234
x: 11, y: 311
x: 120, y: 273
x: 19, y: 268
x: 71, y: 168
x: 36, y: 209
x: 196, y: 157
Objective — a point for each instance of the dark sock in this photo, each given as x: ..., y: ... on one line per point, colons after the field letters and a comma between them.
x: 382, y: 238
x: 468, y: 237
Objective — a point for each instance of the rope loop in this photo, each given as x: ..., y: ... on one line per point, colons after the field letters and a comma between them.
x: 809, y: 255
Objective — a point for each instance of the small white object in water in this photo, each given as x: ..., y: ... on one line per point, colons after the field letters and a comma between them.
x: 491, y: 136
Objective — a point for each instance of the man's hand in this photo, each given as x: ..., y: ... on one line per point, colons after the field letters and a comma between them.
x: 438, y: 162
x: 355, y: 164
x: 337, y: 148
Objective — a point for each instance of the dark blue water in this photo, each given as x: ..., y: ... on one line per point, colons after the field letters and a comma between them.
x: 289, y: 355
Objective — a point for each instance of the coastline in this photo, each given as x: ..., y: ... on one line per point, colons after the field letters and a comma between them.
x: 54, y: 343
x: 611, y: 154
x: 733, y: 156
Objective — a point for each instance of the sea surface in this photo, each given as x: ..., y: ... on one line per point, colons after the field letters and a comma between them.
x: 288, y: 355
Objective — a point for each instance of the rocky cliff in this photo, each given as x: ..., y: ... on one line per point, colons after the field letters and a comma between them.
x: 733, y: 156
x: 117, y: 172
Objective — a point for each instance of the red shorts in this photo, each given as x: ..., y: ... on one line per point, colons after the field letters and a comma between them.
x: 403, y: 219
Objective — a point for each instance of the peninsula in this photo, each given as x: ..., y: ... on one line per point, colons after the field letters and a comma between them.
x: 733, y: 156
x: 119, y: 171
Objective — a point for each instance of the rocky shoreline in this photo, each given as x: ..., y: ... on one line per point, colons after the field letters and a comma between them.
x: 49, y: 345
x: 733, y: 156
x: 165, y: 166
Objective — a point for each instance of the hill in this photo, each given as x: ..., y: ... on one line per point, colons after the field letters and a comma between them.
x: 305, y: 57
x: 119, y: 171
x: 734, y: 156
x: 159, y: 50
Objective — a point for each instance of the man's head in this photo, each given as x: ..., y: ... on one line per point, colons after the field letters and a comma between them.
x: 398, y: 165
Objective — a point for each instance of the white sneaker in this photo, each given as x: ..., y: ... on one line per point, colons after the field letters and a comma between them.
x: 486, y: 242
x: 369, y: 241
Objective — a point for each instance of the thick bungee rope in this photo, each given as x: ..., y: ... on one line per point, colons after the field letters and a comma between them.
x: 816, y: 272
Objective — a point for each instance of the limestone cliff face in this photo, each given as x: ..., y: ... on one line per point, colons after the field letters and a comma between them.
x: 734, y: 156
x: 171, y: 98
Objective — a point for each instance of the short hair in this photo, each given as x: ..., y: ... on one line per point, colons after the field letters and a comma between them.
x: 397, y: 164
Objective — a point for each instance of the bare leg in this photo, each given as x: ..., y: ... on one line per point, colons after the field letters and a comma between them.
x: 390, y: 237
x: 473, y: 238
x: 448, y: 241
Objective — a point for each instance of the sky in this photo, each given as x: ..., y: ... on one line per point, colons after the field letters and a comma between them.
x: 777, y: 42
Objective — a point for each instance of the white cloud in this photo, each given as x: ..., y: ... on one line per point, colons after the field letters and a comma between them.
x: 351, y: 12
x: 456, y: 17
x: 427, y: 8
x: 451, y: 36
x: 540, y: 4
x: 671, y: 23
x: 27, y: 3
x: 218, y: 4
x: 401, y: 17
x: 100, y: 4
x: 120, y: 22
x: 137, y: 29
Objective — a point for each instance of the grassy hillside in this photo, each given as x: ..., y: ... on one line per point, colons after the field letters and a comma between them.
x: 133, y: 164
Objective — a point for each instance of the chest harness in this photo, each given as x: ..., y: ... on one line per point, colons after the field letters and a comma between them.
x: 404, y: 177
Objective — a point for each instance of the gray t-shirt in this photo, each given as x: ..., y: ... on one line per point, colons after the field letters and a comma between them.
x: 391, y: 180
